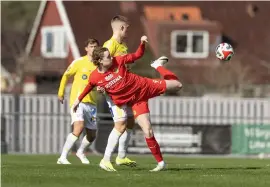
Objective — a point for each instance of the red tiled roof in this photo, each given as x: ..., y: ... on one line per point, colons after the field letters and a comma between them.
x: 162, y: 13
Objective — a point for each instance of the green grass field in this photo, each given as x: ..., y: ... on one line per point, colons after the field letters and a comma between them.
x: 42, y: 171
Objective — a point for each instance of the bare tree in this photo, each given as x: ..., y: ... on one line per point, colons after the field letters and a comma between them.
x: 231, y: 77
x: 17, y: 19
x: 15, y: 43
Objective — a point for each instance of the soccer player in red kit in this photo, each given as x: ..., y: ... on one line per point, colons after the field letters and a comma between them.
x: 126, y: 88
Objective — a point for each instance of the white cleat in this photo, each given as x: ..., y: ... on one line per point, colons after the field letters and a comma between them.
x: 63, y: 161
x: 159, y: 167
x: 161, y: 61
x: 83, y: 158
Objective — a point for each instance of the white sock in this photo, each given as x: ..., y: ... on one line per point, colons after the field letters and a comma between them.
x: 111, y: 145
x: 155, y: 65
x: 161, y: 163
x: 85, y: 143
x: 71, y: 139
x: 123, y: 143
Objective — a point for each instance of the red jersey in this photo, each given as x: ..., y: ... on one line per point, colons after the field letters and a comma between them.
x: 120, y: 84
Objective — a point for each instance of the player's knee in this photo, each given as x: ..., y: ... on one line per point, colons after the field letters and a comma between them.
x: 148, y: 132
x: 120, y: 129
x: 76, y: 133
x: 173, y: 85
x: 78, y: 128
x: 120, y: 126
x: 178, y: 86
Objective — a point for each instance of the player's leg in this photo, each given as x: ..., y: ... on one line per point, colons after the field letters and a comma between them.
x: 86, y: 142
x: 142, y: 116
x: 113, y: 140
x: 90, y: 124
x: 172, y: 82
x: 122, y: 158
x: 77, y: 121
x: 120, y: 117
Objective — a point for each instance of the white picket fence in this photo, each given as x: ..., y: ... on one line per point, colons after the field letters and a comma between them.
x: 39, y: 124
x: 209, y: 111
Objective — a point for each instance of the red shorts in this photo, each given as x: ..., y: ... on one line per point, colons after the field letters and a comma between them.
x: 154, y: 88
x: 140, y: 108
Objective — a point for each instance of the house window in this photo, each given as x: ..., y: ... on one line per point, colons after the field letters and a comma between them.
x: 189, y: 44
x: 54, y: 42
x: 49, y: 42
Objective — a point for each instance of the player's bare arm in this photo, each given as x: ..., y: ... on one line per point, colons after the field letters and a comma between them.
x: 86, y: 90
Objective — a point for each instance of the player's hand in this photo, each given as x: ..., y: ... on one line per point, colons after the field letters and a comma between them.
x: 61, y: 99
x: 144, y: 39
x: 100, y: 89
x: 75, y: 105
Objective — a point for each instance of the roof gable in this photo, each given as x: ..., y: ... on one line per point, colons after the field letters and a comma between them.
x: 36, y: 24
x: 64, y: 19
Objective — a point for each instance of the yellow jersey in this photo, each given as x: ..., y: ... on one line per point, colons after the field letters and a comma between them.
x: 115, y: 48
x: 80, y: 68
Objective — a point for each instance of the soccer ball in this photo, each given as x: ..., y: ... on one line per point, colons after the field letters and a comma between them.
x: 224, y: 52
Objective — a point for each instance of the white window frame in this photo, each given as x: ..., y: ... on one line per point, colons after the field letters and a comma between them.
x: 59, y: 45
x: 189, y: 53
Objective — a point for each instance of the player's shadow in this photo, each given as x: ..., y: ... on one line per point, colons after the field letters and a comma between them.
x: 228, y: 168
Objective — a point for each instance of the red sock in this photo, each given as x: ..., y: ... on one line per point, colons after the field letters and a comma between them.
x: 154, y: 147
x: 167, y: 75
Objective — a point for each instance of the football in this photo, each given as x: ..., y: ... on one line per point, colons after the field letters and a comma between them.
x: 224, y: 52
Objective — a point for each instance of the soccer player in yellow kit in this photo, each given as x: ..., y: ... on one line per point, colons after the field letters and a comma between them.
x: 123, y: 115
x: 85, y: 116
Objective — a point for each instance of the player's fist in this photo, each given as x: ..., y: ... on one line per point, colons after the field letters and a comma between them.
x: 61, y: 99
x: 144, y: 39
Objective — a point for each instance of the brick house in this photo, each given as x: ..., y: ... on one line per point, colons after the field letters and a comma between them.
x: 187, y: 32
